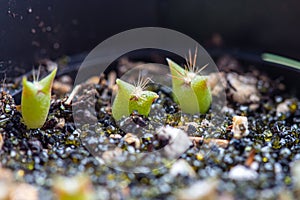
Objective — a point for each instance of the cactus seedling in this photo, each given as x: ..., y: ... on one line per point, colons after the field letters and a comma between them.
x: 191, y: 89
x: 35, y: 101
x: 132, y: 98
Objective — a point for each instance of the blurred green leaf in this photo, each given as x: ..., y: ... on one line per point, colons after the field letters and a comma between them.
x: 281, y: 60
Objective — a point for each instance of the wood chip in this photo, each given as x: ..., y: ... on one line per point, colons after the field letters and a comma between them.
x: 1, y: 141
x: 250, y: 158
x: 220, y: 142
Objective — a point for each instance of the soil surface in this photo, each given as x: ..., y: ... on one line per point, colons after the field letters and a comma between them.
x: 228, y: 157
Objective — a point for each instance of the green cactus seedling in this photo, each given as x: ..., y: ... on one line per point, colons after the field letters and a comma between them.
x: 191, y: 89
x: 35, y: 101
x: 132, y: 98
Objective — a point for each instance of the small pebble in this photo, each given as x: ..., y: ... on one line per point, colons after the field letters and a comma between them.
x: 241, y: 172
x: 182, y: 168
x: 240, y: 127
x: 200, y: 190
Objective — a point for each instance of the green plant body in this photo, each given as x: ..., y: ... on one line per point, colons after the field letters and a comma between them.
x: 35, y: 103
x: 132, y: 98
x: 190, y: 89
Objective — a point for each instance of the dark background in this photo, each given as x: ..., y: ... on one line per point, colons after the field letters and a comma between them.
x: 30, y: 30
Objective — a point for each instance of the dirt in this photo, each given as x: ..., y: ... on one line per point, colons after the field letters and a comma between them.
x: 256, y: 165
